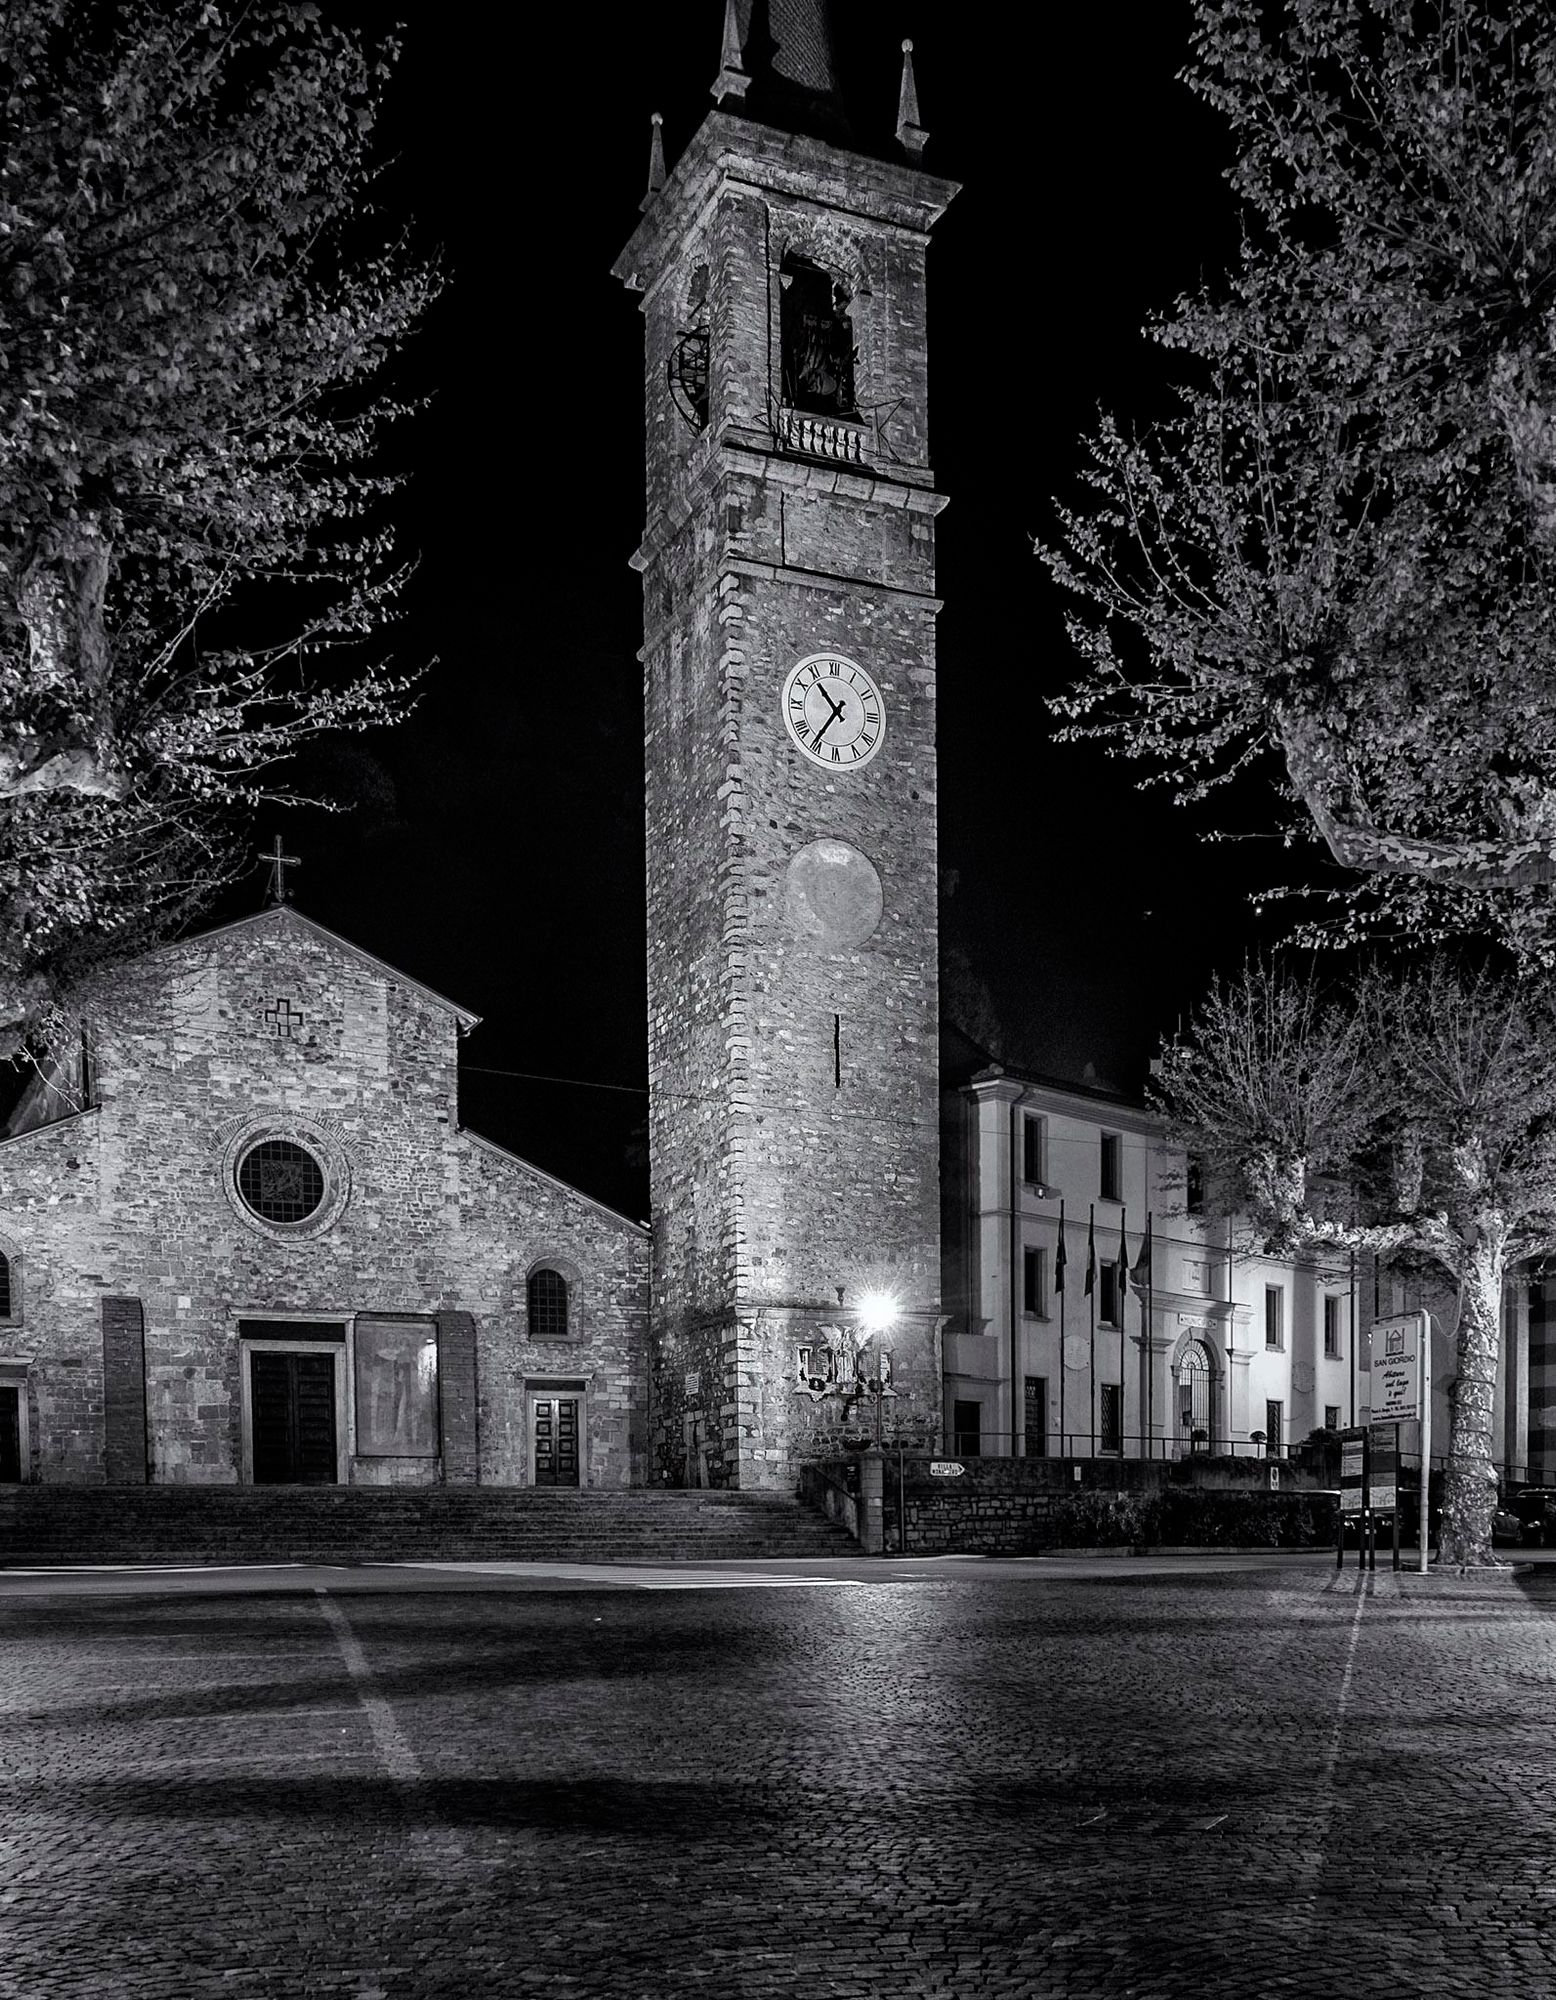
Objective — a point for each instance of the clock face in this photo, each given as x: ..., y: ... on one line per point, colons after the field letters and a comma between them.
x: 833, y: 711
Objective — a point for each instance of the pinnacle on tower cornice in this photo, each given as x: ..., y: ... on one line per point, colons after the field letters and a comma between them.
x: 656, y: 163
x: 911, y: 136
x: 731, y: 81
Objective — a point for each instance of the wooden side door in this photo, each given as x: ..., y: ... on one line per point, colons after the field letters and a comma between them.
x: 554, y: 1441
x: 10, y: 1434
x: 292, y: 1401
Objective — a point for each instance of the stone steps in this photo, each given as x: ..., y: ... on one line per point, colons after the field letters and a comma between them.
x: 330, y: 1524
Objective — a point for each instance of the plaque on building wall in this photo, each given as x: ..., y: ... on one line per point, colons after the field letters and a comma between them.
x: 397, y: 1388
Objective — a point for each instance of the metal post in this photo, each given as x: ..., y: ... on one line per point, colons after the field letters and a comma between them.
x: 1397, y: 1465
x: 1060, y: 1274
x: 1353, y: 1341
x: 1150, y: 1345
x: 902, y: 1504
x: 1091, y: 1300
x: 1426, y: 1432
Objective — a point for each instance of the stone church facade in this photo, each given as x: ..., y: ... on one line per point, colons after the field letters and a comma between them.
x: 263, y: 1249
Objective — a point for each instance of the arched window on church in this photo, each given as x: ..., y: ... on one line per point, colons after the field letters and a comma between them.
x: 547, y: 1305
x: 817, y: 340
x: 5, y: 1286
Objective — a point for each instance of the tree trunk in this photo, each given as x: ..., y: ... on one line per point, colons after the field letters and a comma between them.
x: 1470, y: 1483
x: 61, y: 602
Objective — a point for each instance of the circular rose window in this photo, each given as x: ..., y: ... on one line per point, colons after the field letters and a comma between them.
x: 281, y: 1181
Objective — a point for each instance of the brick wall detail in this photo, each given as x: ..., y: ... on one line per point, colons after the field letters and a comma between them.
x: 457, y: 1402
x: 124, y: 1391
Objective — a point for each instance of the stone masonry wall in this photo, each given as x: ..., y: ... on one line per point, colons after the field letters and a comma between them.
x: 793, y: 1077
x: 135, y: 1197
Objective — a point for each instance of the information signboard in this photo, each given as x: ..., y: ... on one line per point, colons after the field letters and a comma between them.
x: 1402, y: 1394
x: 1383, y: 1470
x: 1396, y: 1368
x: 1353, y: 1449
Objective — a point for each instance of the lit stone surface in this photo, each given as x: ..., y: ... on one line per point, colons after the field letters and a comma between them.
x: 134, y: 1198
x: 792, y: 1022
x: 832, y: 895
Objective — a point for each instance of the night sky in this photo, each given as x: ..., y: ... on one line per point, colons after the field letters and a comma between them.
x: 496, y: 847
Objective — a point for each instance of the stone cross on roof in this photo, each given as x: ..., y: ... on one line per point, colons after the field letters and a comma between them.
x: 279, y: 862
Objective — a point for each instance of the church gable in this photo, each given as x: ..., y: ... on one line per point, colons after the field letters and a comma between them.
x: 275, y: 1004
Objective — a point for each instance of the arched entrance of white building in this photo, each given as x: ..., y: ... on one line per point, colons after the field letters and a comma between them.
x: 1196, y: 1397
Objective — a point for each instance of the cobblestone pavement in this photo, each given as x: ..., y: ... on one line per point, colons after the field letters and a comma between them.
x: 1077, y: 1781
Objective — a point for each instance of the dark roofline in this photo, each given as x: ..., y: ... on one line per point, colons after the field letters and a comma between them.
x: 978, y: 1063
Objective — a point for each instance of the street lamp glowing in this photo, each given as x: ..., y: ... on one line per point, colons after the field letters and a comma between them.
x: 878, y: 1312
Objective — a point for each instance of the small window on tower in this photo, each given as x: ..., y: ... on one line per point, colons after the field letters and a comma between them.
x: 817, y: 338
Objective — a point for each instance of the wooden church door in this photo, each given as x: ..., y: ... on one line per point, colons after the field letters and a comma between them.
x: 293, y: 1419
x: 554, y: 1440
x: 10, y: 1435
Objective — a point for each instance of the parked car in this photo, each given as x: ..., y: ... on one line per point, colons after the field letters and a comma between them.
x: 1506, y: 1527
x: 1535, y: 1507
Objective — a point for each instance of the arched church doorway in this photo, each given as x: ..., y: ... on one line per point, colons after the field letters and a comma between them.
x: 1196, y: 1397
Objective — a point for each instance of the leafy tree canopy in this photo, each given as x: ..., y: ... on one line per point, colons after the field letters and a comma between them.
x: 1405, y: 1114
x: 194, y: 301
x: 1336, y: 558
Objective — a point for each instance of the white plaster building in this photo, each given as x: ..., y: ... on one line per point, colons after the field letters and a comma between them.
x: 1211, y: 1339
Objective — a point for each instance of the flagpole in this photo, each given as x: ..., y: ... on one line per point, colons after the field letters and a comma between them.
x: 1149, y: 1304
x: 1059, y: 1264
x: 1123, y: 1314
x: 1091, y: 1296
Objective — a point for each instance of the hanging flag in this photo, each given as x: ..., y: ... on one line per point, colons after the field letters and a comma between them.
x: 1123, y: 1261
x: 1091, y: 1252
x: 1061, y: 1258
x: 1143, y: 1261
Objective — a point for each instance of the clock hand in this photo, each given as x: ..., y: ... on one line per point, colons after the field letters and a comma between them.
x: 837, y: 709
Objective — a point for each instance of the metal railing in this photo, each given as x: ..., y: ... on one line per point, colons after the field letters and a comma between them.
x: 987, y: 1443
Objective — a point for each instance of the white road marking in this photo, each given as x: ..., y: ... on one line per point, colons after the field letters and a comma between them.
x: 152, y: 1569
x: 1332, y: 1755
x: 398, y: 1759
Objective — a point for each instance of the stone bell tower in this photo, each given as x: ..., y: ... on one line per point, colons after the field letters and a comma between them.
x: 789, y: 691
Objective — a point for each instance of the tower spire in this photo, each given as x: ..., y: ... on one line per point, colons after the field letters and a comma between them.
x: 911, y: 136
x: 656, y: 162
x: 731, y: 81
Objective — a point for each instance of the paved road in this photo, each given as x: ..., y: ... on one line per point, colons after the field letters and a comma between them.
x: 832, y: 1779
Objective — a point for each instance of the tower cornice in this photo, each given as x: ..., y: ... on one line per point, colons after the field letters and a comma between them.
x: 867, y: 488
x: 728, y: 150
